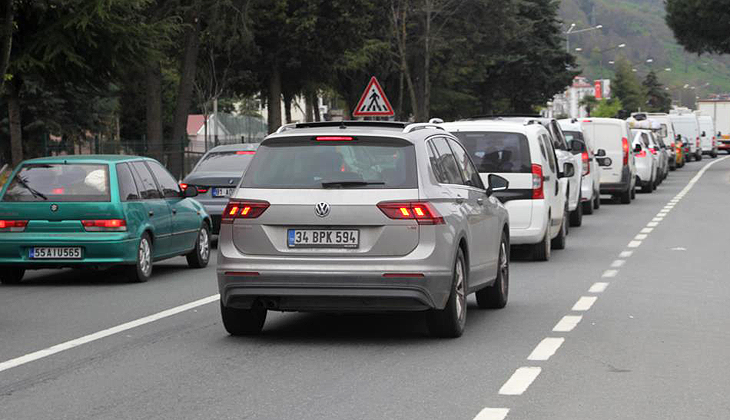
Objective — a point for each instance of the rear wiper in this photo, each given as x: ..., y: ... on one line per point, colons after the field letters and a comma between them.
x: 34, y: 192
x: 345, y: 184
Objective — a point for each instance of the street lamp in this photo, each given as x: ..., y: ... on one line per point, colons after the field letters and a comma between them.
x: 570, y: 32
x: 607, y: 50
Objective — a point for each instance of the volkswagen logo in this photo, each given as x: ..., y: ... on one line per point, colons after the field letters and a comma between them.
x: 54, y: 207
x: 322, y: 209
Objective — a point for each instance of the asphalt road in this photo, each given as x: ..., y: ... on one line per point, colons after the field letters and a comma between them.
x: 651, y: 343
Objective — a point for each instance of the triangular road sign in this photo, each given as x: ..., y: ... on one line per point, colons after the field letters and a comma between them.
x: 373, y: 102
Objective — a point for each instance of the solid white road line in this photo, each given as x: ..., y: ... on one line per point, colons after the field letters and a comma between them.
x: 546, y: 348
x: 567, y: 323
x: 598, y: 287
x: 626, y: 254
x: 492, y: 414
x: 618, y: 263
x: 647, y: 230
x: 634, y: 244
x: 520, y: 380
x: 609, y: 273
x: 9, y: 364
x: 584, y: 303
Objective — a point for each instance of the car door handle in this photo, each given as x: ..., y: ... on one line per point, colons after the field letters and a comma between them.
x: 151, y: 213
x: 546, y: 178
x: 480, y: 201
x: 459, y: 200
x: 174, y: 211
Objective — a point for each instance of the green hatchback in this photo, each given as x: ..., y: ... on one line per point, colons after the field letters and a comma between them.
x: 97, y: 211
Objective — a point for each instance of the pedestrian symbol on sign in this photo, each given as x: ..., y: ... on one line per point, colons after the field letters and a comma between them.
x: 373, y: 102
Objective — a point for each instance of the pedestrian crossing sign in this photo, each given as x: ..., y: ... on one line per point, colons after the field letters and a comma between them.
x: 373, y: 102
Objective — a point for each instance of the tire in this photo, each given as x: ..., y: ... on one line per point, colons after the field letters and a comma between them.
x: 200, y: 255
x: 647, y: 187
x: 449, y: 322
x: 141, y: 271
x: 698, y: 156
x: 633, y: 193
x: 559, y: 241
x: 496, y: 295
x: 11, y: 275
x: 541, y: 251
x: 576, y: 216
x: 713, y: 154
x: 597, y: 204
x: 588, y: 206
x: 239, y: 321
x: 625, y: 197
x: 687, y: 158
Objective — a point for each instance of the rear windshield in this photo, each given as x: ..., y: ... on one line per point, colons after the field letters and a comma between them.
x: 306, y: 163
x: 573, y: 135
x: 235, y: 161
x: 59, y: 182
x: 497, y: 152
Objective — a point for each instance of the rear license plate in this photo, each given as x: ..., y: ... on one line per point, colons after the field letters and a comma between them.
x: 222, y: 192
x: 323, y: 238
x: 56, y: 253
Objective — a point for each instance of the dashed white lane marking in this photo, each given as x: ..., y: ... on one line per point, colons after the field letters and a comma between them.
x: 520, y: 380
x: 492, y: 414
x: 657, y: 219
x: 647, y: 230
x: 634, y: 244
x: 598, y: 287
x: 626, y: 254
x: 618, y: 263
x: 104, y: 333
x: 609, y: 274
x: 652, y: 224
x: 567, y: 323
x: 546, y: 348
x: 584, y: 303
x: 641, y: 237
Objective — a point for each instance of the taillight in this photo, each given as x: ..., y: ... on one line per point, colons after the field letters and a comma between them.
x: 697, y: 143
x: 421, y: 211
x: 538, y: 192
x: 201, y: 190
x: 334, y: 138
x: 243, y: 209
x: 13, y: 225
x: 245, y: 152
x: 183, y: 186
x: 586, y: 163
x: 641, y: 154
x: 105, y: 225
x: 625, y: 145
x: 652, y: 150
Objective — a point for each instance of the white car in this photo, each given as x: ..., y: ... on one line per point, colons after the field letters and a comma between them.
x: 524, y: 155
x: 687, y: 125
x: 618, y: 169
x: 708, y: 141
x: 590, y: 176
x: 666, y: 133
x: 646, y: 160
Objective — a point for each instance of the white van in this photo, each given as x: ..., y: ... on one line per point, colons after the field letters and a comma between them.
x: 708, y: 141
x: 590, y: 183
x: 687, y: 125
x: 524, y: 155
x: 613, y: 149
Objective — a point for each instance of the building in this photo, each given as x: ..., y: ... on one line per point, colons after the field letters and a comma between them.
x: 567, y: 104
x: 206, y: 133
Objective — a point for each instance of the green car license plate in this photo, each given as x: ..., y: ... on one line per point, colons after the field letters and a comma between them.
x: 55, y: 253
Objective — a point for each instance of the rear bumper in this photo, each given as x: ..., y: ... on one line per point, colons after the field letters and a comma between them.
x: 723, y: 145
x: 96, y: 249
x: 534, y: 232
x: 614, y: 188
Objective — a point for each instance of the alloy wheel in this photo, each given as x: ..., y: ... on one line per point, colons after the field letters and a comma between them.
x: 145, y: 257
x: 460, y: 292
x: 204, y: 244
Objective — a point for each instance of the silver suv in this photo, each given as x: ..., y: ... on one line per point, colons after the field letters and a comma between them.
x: 362, y: 216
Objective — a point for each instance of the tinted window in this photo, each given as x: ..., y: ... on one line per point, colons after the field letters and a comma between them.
x: 558, y: 138
x: 127, y: 187
x: 59, y: 182
x: 366, y: 162
x: 147, y: 187
x: 497, y: 152
x: 447, y: 161
x: 551, y: 153
x: 170, y: 188
x: 236, y: 161
x: 573, y: 135
x: 468, y: 172
x: 441, y: 176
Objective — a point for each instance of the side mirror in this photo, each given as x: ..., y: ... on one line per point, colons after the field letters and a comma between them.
x: 637, y: 148
x: 496, y: 183
x: 577, y: 146
x: 600, y: 153
x: 190, y: 192
x: 704, y: 134
x: 568, y: 171
x: 604, y: 161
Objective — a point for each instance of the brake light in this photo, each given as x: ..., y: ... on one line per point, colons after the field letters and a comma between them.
x: 586, y: 163
x: 243, y: 209
x: 625, y: 145
x: 641, y: 154
x: 538, y: 183
x: 202, y: 190
x: 105, y: 225
x: 58, y: 191
x: 587, y: 121
x: 245, y: 152
x: 334, y: 138
x: 13, y: 225
x: 183, y: 186
x: 421, y: 211
x: 652, y: 150
x: 697, y: 143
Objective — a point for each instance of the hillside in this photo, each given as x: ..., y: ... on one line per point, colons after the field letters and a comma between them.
x: 640, y: 25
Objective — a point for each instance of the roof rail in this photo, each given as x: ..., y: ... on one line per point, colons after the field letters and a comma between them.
x: 343, y: 124
x: 420, y: 126
x: 498, y: 116
x: 285, y: 127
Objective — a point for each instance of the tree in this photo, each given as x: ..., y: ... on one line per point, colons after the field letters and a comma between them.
x: 589, y: 102
x: 700, y: 25
x: 627, y: 88
x: 658, y: 100
x: 608, y: 108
